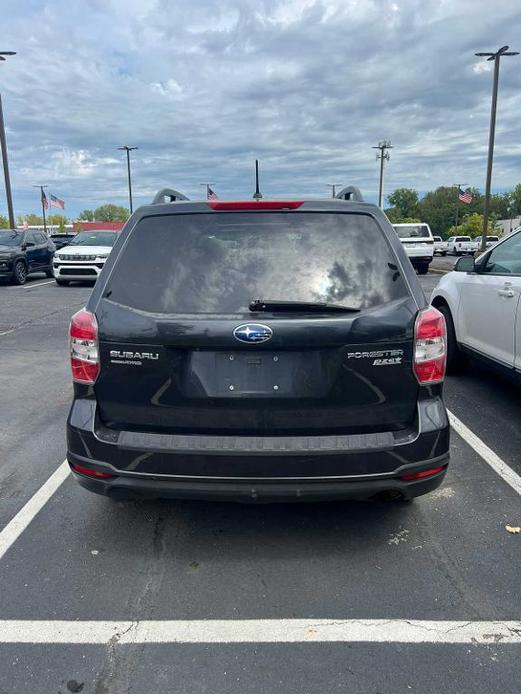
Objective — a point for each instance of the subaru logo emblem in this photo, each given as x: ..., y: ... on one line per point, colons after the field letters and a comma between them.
x: 253, y: 333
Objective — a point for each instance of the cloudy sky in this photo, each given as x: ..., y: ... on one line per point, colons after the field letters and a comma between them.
x: 307, y: 86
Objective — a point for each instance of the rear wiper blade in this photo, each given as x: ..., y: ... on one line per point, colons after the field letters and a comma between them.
x: 299, y: 306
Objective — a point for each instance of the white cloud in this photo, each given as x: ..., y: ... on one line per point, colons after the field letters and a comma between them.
x: 203, y: 88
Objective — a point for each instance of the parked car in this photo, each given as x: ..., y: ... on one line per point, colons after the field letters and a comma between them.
x: 84, y: 258
x: 418, y: 242
x: 61, y: 240
x: 481, y: 304
x: 459, y: 245
x: 214, y: 360
x: 440, y: 246
x: 491, y: 241
x: 23, y: 253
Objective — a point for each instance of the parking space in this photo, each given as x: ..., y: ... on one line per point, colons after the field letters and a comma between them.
x: 100, y: 596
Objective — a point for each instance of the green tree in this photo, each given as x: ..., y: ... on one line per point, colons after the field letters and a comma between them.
x: 31, y: 219
x: 395, y: 217
x: 111, y: 213
x: 4, y: 222
x: 472, y: 225
x: 59, y: 220
x: 440, y: 208
x: 405, y: 202
x: 86, y: 216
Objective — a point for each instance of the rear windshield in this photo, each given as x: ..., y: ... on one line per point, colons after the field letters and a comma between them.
x: 412, y: 231
x: 218, y: 263
x: 95, y: 238
x: 460, y: 239
x: 437, y: 238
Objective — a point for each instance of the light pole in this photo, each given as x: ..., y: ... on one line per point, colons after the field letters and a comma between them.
x: 383, y: 156
x: 496, y: 58
x: 5, y: 162
x: 128, y: 149
x: 333, y: 187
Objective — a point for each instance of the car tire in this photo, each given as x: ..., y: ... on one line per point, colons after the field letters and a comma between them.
x: 423, y: 268
x: 444, y: 253
x: 19, y: 273
x: 62, y: 283
x: 49, y: 273
x: 456, y: 359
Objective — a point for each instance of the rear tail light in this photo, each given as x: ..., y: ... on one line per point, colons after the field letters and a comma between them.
x: 91, y: 473
x: 83, y: 342
x: 256, y: 205
x: 430, y: 346
x: 422, y: 474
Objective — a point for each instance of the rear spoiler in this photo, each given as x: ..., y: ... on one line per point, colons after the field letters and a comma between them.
x: 168, y: 195
x: 350, y: 193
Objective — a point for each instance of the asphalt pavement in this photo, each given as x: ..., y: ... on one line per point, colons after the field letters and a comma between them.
x: 117, y: 597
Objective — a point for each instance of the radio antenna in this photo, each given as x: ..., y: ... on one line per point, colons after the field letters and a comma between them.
x: 257, y: 195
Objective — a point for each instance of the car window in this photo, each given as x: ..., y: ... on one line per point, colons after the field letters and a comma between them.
x: 505, y: 259
x: 459, y: 239
x: 95, y: 238
x: 30, y: 238
x: 219, y: 263
x: 437, y: 238
x: 410, y: 231
x: 41, y: 237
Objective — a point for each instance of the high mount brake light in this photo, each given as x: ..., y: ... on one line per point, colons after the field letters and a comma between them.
x: 430, y: 347
x: 256, y: 205
x: 83, y: 344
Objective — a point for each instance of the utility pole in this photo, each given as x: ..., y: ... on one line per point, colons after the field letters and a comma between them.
x: 5, y: 161
x: 458, y: 186
x: 495, y: 57
x: 43, y: 200
x: 333, y: 187
x: 128, y: 149
x: 383, y: 156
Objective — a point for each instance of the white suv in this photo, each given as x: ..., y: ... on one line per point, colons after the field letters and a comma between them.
x: 481, y: 304
x: 84, y: 258
x: 418, y: 243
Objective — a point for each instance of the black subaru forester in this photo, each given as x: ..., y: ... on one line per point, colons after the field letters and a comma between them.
x: 258, y: 351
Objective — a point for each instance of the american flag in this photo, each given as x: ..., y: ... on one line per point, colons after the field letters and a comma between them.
x: 45, y: 202
x: 464, y: 196
x: 210, y: 195
x: 56, y: 202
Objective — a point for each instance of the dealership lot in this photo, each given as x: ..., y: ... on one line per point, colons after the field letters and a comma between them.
x: 368, y: 597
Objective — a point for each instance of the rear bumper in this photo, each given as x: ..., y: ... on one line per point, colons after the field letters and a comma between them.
x: 259, y: 468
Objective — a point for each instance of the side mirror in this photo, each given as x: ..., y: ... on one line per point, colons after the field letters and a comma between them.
x: 465, y: 264
x: 29, y: 244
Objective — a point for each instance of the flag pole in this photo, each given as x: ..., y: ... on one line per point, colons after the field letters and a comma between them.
x: 43, y: 206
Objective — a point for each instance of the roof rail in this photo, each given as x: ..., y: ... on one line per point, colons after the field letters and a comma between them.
x: 350, y: 193
x: 168, y: 195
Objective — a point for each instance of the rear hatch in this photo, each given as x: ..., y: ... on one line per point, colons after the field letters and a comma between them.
x: 184, y: 350
x: 416, y: 239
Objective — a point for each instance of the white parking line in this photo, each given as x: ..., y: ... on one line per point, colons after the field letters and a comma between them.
x: 261, y: 631
x: 40, y: 284
x: 25, y: 515
x: 488, y: 455
x: 7, y: 332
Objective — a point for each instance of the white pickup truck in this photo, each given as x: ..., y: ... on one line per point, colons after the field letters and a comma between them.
x: 440, y: 246
x: 458, y: 245
x: 491, y: 241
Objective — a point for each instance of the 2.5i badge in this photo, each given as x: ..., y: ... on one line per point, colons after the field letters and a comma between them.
x: 380, y: 357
